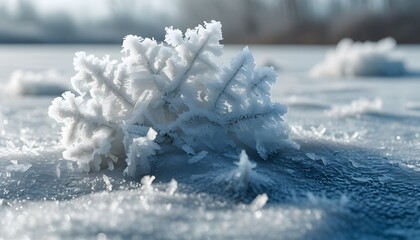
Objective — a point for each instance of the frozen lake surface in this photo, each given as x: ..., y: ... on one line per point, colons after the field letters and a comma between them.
x: 355, y: 176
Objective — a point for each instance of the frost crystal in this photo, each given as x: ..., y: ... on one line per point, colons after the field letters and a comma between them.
x: 174, y: 92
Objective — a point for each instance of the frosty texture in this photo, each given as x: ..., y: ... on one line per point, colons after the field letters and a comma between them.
x: 361, y: 59
x: 173, y: 92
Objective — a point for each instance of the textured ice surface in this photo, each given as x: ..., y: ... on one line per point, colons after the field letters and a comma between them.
x: 368, y: 188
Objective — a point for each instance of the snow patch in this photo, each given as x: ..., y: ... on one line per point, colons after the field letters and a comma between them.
x: 361, y: 59
x: 29, y: 83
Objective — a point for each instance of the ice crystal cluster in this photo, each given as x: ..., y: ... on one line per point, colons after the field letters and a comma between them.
x: 361, y: 59
x: 173, y: 93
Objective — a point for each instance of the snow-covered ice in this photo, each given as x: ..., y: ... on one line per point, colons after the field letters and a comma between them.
x: 354, y: 176
x: 361, y: 59
x: 48, y: 82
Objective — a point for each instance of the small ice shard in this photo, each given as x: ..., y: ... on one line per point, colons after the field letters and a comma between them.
x: 197, y: 157
x: 244, y: 171
x: 147, y: 181
x: 110, y: 165
x: 58, y: 171
x: 243, y: 177
x: 172, y: 187
x: 188, y: 149
x: 107, y: 182
x: 259, y: 202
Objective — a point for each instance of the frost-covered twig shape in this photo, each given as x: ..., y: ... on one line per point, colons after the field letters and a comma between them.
x: 173, y: 92
x: 361, y: 59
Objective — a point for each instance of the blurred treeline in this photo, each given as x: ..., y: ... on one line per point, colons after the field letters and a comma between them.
x: 321, y: 21
x: 244, y: 21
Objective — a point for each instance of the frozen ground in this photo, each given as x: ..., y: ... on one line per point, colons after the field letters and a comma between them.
x: 356, y: 175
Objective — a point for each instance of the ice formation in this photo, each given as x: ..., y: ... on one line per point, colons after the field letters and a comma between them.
x: 243, y: 175
x: 49, y: 82
x: 174, y: 92
x: 361, y: 59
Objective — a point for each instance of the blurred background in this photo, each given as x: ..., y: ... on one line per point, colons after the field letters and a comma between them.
x: 244, y: 21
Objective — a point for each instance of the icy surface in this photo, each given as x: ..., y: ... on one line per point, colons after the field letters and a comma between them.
x: 361, y: 59
x: 355, y: 176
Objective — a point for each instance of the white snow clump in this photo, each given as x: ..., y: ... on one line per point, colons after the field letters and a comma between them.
x: 29, y: 83
x: 174, y: 92
x: 361, y: 59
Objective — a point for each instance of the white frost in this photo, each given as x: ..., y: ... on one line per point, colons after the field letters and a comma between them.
x: 107, y: 182
x: 361, y: 59
x: 179, y: 89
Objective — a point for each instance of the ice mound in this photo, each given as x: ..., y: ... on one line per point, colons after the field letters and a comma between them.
x: 174, y: 92
x: 361, y: 59
x: 49, y: 82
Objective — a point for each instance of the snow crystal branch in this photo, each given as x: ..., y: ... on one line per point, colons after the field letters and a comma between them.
x: 174, y: 92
